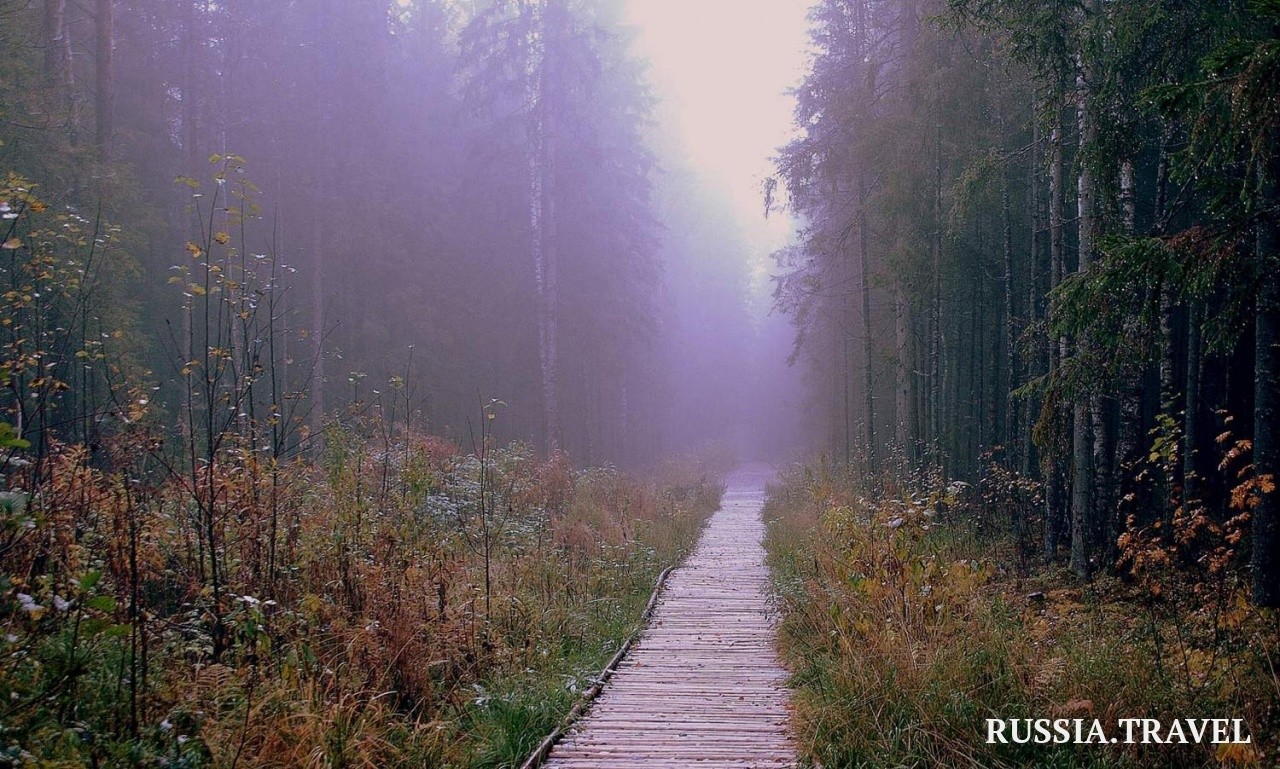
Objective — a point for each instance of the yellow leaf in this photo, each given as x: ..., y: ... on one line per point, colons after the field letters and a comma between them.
x: 222, y: 238
x: 11, y: 244
x: 1238, y: 754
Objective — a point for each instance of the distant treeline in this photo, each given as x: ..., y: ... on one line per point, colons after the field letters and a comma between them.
x: 1043, y: 236
x: 455, y: 195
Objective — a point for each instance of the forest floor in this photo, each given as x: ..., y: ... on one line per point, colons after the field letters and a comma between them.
x: 906, y: 626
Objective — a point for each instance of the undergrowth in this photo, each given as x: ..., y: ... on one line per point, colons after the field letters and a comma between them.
x: 907, y: 624
x: 372, y: 647
x: 261, y: 584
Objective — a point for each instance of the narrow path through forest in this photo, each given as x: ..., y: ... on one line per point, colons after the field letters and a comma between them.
x: 704, y: 686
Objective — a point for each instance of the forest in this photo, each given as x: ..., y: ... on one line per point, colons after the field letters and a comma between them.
x: 365, y: 364
x: 1044, y: 237
x: 1035, y: 295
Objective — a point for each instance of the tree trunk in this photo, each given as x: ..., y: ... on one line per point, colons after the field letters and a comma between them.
x: 1129, y: 431
x: 190, y: 133
x: 1191, y: 413
x: 104, y: 20
x: 1168, y: 325
x: 59, y: 68
x: 902, y: 373
x: 317, y: 319
x: 935, y: 312
x: 319, y: 254
x: 1266, y: 438
x: 190, y: 146
x: 57, y: 51
x: 1010, y: 424
x: 542, y: 228
x: 869, y: 401
x: 1083, y: 452
x: 1055, y: 492
x: 983, y: 410
x: 844, y: 337
x: 1035, y: 363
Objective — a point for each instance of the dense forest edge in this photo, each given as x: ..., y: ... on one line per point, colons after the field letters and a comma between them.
x: 1035, y: 295
x: 1041, y: 240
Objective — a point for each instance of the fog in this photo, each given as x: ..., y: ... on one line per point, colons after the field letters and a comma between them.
x: 366, y: 365
x: 556, y: 206
x: 550, y: 215
x: 723, y: 74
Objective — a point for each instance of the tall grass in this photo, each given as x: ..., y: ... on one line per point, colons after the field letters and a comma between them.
x: 906, y: 626
x: 373, y: 647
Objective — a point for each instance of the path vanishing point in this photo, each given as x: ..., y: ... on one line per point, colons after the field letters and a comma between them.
x: 703, y: 687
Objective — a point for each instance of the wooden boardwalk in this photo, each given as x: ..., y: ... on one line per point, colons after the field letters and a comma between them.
x: 703, y: 687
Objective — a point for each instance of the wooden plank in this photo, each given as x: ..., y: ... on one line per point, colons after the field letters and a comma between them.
x: 703, y: 686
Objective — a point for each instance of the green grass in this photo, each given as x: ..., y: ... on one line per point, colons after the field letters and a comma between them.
x: 512, y: 712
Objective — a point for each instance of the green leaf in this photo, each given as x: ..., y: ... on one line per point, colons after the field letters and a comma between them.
x: 89, y: 580
x: 94, y: 627
x: 103, y: 603
x: 13, y: 502
x: 9, y: 438
x: 116, y: 631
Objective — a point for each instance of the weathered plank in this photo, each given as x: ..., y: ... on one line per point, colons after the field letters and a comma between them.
x: 703, y: 686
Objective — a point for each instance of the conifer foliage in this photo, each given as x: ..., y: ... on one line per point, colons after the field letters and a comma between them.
x: 1042, y: 236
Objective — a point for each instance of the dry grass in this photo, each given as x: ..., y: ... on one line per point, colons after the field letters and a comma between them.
x: 906, y: 631
x: 371, y: 643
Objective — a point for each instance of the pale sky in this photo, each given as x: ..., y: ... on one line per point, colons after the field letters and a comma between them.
x: 722, y: 69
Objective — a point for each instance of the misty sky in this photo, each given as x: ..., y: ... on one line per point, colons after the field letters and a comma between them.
x: 722, y: 70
